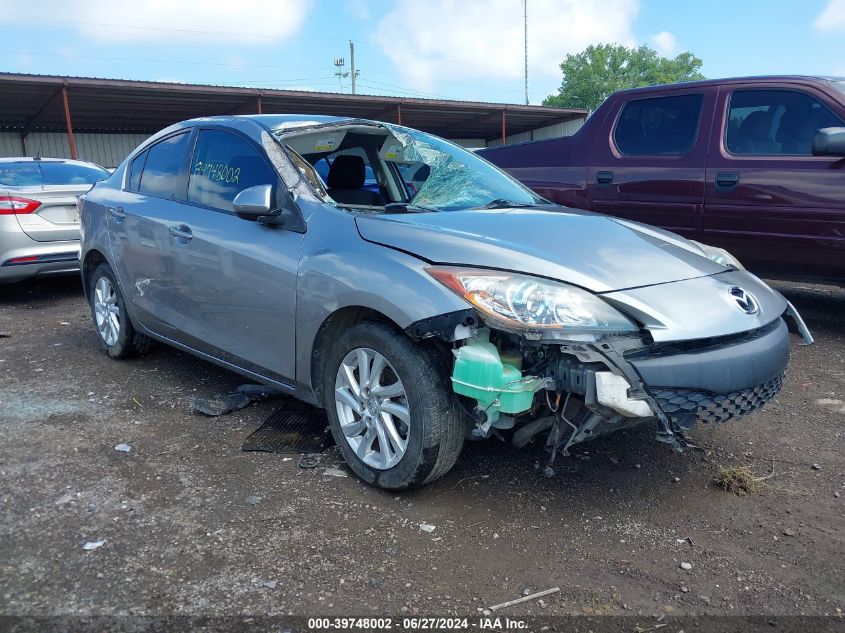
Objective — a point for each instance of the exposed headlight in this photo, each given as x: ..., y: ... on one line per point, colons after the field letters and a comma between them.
x: 719, y: 255
x: 522, y: 302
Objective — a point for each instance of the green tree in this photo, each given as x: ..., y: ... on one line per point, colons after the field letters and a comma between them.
x: 590, y: 76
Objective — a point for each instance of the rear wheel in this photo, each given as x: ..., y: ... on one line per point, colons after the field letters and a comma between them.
x: 115, y: 331
x: 391, y: 409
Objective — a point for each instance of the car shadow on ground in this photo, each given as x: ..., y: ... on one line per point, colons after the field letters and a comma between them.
x: 38, y: 292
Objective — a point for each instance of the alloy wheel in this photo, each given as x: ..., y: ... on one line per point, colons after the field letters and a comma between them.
x: 106, y: 311
x: 372, y: 408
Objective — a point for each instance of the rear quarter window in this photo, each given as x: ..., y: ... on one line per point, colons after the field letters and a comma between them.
x: 659, y: 126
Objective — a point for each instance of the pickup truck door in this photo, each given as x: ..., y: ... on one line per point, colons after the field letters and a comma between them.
x: 769, y: 201
x: 649, y: 159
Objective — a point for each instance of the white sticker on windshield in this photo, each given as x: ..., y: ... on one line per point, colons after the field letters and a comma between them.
x: 325, y: 144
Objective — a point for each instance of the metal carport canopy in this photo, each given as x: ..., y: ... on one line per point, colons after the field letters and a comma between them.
x: 82, y: 104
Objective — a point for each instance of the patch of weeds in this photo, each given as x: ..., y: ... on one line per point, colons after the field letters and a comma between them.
x: 738, y: 480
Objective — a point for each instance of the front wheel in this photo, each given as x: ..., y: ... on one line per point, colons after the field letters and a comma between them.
x: 391, y: 409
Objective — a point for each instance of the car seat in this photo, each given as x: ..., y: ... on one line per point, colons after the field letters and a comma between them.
x: 346, y: 182
x: 754, y: 135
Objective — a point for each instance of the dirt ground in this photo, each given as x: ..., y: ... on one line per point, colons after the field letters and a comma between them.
x: 611, y: 529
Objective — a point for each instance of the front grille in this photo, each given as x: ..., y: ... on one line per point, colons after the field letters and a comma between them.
x: 682, y: 404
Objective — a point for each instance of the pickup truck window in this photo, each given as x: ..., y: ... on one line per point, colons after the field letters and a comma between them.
x: 775, y: 122
x: 660, y: 126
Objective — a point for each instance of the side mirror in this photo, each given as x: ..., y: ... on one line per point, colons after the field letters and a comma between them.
x: 269, y: 205
x: 255, y: 201
x: 829, y: 141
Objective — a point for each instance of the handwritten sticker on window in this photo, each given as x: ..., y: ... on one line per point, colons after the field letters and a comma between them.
x: 219, y: 172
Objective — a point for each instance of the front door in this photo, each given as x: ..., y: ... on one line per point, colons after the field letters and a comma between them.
x: 650, y: 166
x: 237, y: 277
x: 769, y: 201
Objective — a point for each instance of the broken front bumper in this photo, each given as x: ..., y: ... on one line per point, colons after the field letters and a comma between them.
x: 716, y: 380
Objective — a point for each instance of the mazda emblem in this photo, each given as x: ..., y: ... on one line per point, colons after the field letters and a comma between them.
x: 745, y: 300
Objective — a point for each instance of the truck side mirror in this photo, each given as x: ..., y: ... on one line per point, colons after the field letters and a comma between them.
x: 829, y: 141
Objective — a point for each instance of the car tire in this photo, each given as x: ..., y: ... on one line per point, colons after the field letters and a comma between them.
x: 424, y: 418
x: 115, y: 332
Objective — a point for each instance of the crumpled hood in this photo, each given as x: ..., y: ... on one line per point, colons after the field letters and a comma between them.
x: 589, y: 250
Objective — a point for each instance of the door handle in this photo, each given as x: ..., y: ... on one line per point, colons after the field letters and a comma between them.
x: 604, y: 178
x: 181, y: 232
x: 117, y: 213
x: 726, y: 181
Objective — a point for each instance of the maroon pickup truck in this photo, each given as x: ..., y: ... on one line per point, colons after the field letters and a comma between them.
x: 755, y: 166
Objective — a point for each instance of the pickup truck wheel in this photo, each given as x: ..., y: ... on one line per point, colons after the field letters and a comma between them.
x: 391, y: 410
x: 115, y: 331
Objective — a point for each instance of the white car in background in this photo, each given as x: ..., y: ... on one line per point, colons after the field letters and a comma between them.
x: 39, y: 221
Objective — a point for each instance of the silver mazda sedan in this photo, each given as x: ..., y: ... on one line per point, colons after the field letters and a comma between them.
x: 437, y: 300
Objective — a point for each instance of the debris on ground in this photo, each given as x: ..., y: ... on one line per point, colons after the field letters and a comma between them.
x: 686, y: 566
x: 817, y: 466
x: 789, y: 532
x: 253, y: 500
x: 64, y: 499
x: 269, y: 584
x: 5, y: 335
x: 427, y: 527
x: 295, y: 427
x: 238, y: 399
x: 531, y: 596
x: 738, y: 480
x: 92, y: 545
x: 123, y: 448
x: 309, y: 461
x: 335, y: 472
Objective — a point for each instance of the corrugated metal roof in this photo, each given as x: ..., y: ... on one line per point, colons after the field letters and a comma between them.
x: 34, y: 102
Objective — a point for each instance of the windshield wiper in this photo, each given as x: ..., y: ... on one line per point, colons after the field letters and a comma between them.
x: 406, y: 207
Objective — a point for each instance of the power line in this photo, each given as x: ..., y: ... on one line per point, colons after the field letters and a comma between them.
x: 160, y: 61
x: 166, y: 29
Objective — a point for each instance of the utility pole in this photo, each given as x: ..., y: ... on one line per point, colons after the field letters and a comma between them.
x: 339, y: 63
x: 354, y: 73
x: 525, y: 23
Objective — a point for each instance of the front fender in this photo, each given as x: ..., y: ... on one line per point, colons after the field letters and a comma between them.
x: 338, y: 269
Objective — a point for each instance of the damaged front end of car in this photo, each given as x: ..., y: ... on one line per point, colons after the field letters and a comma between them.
x: 537, y: 356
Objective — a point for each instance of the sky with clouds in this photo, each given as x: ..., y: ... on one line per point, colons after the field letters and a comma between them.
x: 457, y: 49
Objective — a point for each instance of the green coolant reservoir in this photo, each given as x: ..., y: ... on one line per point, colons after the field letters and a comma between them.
x: 479, y: 373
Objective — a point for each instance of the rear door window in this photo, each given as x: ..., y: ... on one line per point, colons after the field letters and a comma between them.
x: 775, y: 122
x: 223, y: 165
x: 660, y: 126
x: 163, y: 173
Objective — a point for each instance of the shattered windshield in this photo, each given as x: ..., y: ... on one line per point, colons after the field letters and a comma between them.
x: 378, y: 167
x: 446, y: 177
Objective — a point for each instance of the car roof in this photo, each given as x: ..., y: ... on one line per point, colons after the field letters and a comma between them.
x: 278, y: 121
x: 735, y: 80
x: 41, y: 159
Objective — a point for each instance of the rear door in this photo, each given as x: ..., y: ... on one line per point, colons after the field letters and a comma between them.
x: 769, y: 201
x: 142, y: 246
x: 649, y: 160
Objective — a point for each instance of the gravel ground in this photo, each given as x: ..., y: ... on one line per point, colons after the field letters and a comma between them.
x: 625, y: 527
